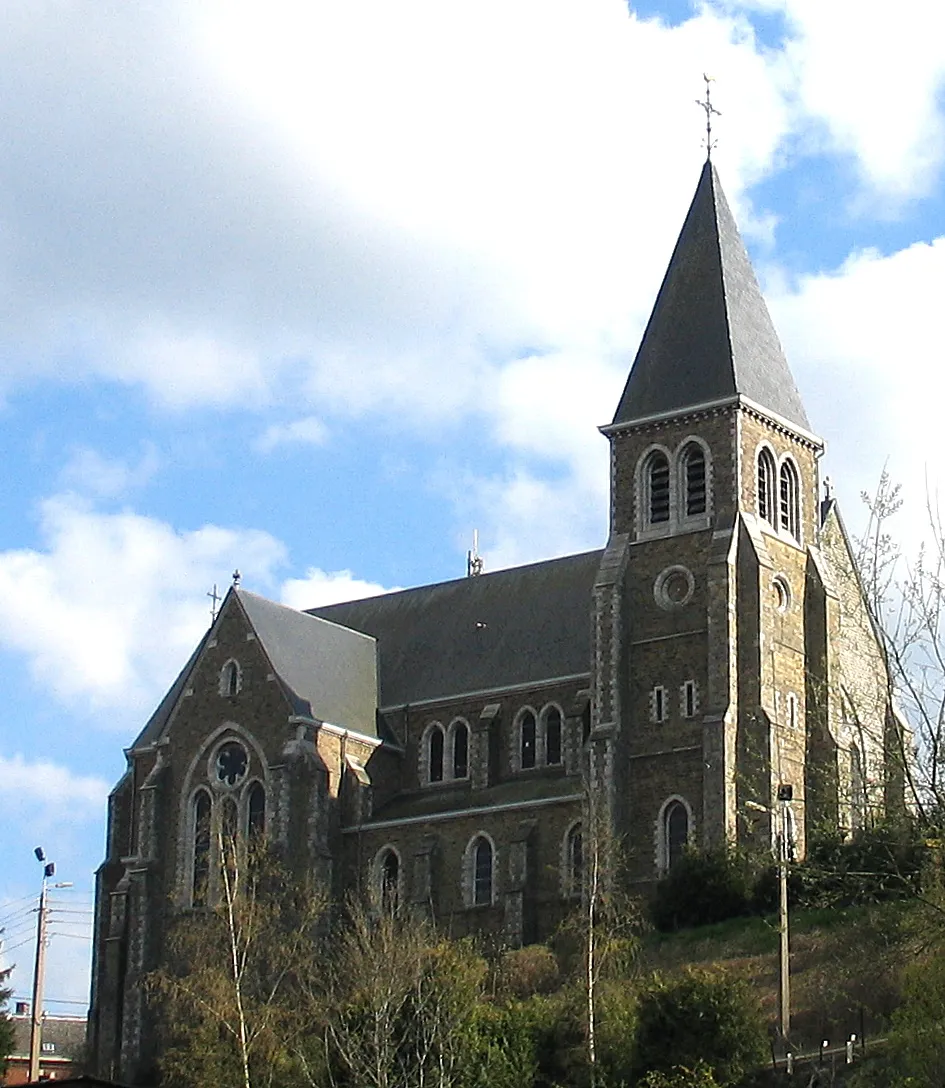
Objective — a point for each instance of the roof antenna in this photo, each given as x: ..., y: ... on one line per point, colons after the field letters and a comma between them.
x: 215, y: 599
x: 709, y: 110
x: 474, y: 562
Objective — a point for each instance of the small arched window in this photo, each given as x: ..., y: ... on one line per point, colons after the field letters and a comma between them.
x: 482, y: 872
x: 256, y: 810
x: 553, y: 736
x: 766, y: 473
x: 389, y: 875
x: 694, y: 479
x: 574, y: 858
x: 230, y: 678
x: 435, y: 753
x: 790, y: 500
x: 528, y: 739
x: 656, y: 478
x: 677, y: 832
x: 460, y: 749
x: 201, y: 847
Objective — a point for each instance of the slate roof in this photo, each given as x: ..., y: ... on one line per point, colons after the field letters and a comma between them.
x: 710, y: 336
x: 516, y: 626
x: 329, y: 672
x: 65, y: 1034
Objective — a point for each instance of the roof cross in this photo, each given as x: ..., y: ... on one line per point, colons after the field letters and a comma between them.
x: 709, y: 110
x: 215, y: 599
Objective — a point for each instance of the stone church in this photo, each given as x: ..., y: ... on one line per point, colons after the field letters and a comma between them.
x: 436, y: 748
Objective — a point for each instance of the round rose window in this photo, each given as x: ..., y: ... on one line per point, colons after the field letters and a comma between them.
x: 231, y: 763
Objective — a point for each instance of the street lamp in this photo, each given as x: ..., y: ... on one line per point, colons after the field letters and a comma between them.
x: 785, y: 853
x: 39, y: 969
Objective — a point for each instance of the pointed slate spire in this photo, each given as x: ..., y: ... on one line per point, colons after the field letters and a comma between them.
x: 710, y: 336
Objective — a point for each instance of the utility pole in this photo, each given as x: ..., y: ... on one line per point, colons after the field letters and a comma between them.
x: 39, y: 970
x: 785, y: 795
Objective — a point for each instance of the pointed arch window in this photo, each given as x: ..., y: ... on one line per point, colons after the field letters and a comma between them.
x: 789, y: 496
x: 656, y: 477
x: 201, y: 848
x: 694, y: 479
x: 460, y: 731
x: 482, y: 860
x: 435, y: 754
x: 574, y: 859
x: 552, y: 736
x: 766, y: 475
x: 389, y: 876
x: 528, y: 737
x: 231, y: 678
x: 256, y: 810
x: 676, y: 820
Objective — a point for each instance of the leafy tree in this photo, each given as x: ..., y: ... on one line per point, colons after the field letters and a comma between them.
x: 6, y: 1024
x: 700, y: 1076
x: 699, y: 1017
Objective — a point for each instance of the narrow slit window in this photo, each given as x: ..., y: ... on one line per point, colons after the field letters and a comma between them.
x: 390, y: 882
x: 658, y: 704
x: 689, y: 701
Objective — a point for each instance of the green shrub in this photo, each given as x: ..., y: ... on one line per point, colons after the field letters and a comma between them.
x: 702, y: 888
x: 699, y: 1017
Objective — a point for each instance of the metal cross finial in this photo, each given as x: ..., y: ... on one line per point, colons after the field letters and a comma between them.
x: 215, y: 599
x: 709, y: 110
x: 236, y: 578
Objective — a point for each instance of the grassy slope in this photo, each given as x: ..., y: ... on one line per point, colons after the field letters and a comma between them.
x: 845, y: 965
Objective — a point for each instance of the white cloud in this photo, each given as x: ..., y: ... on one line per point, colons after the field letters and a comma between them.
x: 39, y: 784
x: 865, y: 343
x: 104, y: 477
x: 83, y: 608
x: 320, y: 587
x: 299, y: 432
x: 872, y: 77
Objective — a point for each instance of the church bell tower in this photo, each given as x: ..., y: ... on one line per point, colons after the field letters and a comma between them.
x: 700, y: 691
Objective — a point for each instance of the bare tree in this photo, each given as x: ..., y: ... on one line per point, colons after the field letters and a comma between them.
x: 236, y: 991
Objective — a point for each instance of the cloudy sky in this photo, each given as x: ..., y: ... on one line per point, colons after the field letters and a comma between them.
x: 314, y: 289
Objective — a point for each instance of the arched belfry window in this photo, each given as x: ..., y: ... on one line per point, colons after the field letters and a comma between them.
x: 460, y: 735
x: 694, y: 479
x: 656, y: 479
x: 528, y: 739
x: 766, y: 476
x: 482, y: 871
x: 789, y: 499
x: 201, y: 847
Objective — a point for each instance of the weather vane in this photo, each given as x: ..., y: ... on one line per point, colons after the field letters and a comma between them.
x: 709, y: 110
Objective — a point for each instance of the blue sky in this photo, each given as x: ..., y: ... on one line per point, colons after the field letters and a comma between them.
x: 315, y: 289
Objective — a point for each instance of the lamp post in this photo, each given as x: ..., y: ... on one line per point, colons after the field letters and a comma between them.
x: 39, y: 969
